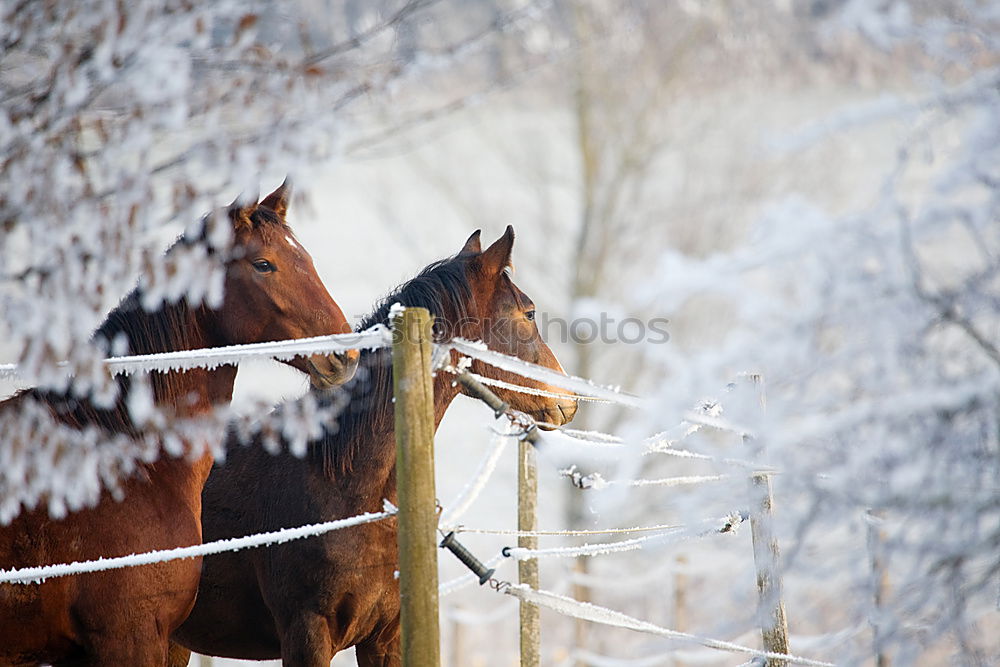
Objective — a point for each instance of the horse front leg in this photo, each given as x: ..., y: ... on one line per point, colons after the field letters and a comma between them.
x: 383, y: 649
x: 371, y: 655
x: 178, y: 656
x: 132, y: 645
x: 305, y: 641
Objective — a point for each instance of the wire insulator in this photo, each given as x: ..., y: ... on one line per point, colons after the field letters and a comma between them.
x: 461, y: 553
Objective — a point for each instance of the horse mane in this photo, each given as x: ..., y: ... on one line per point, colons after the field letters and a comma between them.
x: 443, y: 289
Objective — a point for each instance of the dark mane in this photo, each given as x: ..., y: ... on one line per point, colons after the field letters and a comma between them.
x: 442, y: 288
x: 145, y: 331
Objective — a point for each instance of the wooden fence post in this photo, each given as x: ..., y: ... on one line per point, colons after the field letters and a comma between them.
x: 413, y: 392
x: 680, y: 612
x: 879, y: 582
x: 766, y: 555
x: 771, y: 606
x: 527, y: 570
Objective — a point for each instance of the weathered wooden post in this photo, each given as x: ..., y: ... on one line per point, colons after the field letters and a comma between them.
x: 413, y: 392
x: 527, y: 570
x: 879, y: 581
x: 680, y: 612
x: 771, y: 605
x: 766, y: 555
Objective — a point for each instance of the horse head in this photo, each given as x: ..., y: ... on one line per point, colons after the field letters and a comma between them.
x: 272, y: 291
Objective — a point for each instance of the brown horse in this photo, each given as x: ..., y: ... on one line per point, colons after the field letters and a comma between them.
x: 124, y: 617
x: 307, y: 600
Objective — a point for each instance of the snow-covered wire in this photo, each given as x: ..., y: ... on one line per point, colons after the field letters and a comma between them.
x: 672, y: 536
x: 532, y: 391
x: 375, y: 337
x: 596, y: 481
x: 593, y: 436
x: 590, y: 612
x: 566, y: 533
x: 577, y: 385
x: 665, y: 447
x: 698, y: 656
x: 668, y: 481
x: 28, y: 575
x: 717, y: 423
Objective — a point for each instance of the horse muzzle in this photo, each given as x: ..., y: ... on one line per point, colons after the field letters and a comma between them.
x: 327, y: 371
x: 561, y: 412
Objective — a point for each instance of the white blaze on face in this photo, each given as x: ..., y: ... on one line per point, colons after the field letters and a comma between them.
x: 292, y: 242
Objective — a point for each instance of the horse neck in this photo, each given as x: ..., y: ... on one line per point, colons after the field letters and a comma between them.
x: 369, y: 444
x: 180, y: 394
x: 444, y: 393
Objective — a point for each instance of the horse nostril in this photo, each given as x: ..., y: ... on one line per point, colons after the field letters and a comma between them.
x: 567, y: 410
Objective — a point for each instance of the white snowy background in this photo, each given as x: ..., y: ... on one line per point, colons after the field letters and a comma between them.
x: 809, y: 190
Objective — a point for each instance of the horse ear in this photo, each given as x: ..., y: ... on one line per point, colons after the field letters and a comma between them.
x: 240, y: 210
x: 496, y: 258
x: 277, y: 201
x: 472, y: 246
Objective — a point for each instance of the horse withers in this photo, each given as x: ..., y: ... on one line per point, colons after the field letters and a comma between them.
x: 307, y: 600
x: 124, y: 617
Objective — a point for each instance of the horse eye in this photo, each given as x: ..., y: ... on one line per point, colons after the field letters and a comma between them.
x: 530, y: 315
x: 263, y: 266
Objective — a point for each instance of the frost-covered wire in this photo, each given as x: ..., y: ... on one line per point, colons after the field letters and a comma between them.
x: 590, y: 612
x: 697, y: 656
x: 593, y: 436
x: 668, y: 481
x: 666, y: 447
x: 717, y: 423
x: 523, y: 368
x: 565, y: 533
x: 531, y: 391
x: 28, y: 575
x: 674, y: 536
x: 596, y: 481
x: 376, y: 337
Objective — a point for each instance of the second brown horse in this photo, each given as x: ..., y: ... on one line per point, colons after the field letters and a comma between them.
x: 307, y: 600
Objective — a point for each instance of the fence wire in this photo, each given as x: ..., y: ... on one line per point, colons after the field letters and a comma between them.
x: 590, y: 612
x: 29, y: 575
